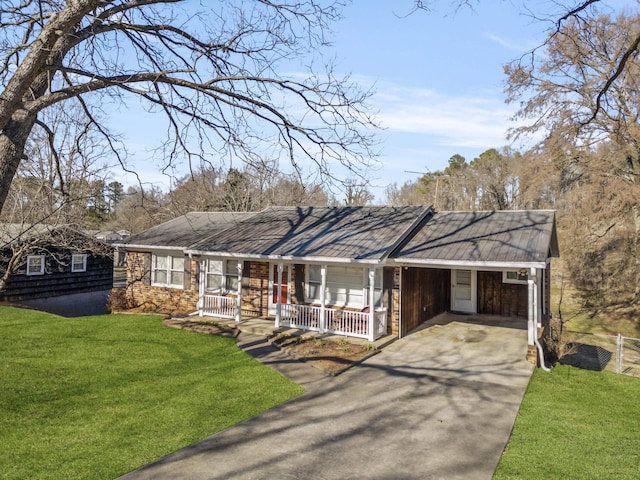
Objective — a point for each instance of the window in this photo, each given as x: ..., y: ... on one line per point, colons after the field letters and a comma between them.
x: 35, y: 265
x: 345, y: 286
x: 168, y: 271
x: 314, y: 282
x: 222, y: 275
x: 79, y: 262
x: 515, y: 276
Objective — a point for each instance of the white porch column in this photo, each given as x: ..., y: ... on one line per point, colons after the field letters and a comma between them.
x: 539, y: 296
x: 532, y: 309
x: 279, y: 293
x: 202, y: 278
x: 372, y: 309
x: 239, y: 295
x: 323, y: 289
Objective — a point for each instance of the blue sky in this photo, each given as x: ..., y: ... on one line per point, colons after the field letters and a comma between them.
x: 437, y: 75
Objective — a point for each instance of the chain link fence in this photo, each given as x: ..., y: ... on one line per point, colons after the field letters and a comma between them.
x: 614, y: 353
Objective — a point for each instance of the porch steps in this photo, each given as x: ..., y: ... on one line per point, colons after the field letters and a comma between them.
x: 265, y: 327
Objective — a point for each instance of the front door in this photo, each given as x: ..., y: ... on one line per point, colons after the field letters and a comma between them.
x: 463, y: 291
x: 284, y: 289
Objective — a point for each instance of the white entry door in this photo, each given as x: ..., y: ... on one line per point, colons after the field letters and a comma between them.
x: 463, y: 291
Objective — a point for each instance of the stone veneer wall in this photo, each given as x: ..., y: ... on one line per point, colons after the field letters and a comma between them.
x: 142, y: 295
x: 255, y: 297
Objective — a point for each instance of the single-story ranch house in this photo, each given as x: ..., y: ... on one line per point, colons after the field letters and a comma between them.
x: 355, y: 271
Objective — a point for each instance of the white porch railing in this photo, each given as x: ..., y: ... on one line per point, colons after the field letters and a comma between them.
x: 219, y: 306
x: 338, y: 322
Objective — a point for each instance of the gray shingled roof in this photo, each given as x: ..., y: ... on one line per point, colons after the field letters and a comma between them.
x: 184, y: 230
x: 356, y: 233
x: 506, y: 237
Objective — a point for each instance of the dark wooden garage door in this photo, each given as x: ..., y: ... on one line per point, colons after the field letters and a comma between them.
x: 425, y: 294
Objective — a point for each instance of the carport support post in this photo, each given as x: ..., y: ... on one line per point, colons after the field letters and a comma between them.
x: 323, y: 289
x: 239, y: 296
x: 372, y: 313
x: 279, y: 293
x: 202, y: 286
x: 532, y: 308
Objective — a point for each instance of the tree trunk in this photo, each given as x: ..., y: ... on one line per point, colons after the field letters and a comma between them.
x: 635, y: 211
x: 12, y: 142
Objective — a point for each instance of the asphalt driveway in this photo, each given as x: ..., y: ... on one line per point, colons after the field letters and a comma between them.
x: 440, y: 403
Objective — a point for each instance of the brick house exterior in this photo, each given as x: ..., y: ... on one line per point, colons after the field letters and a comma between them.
x: 321, y: 268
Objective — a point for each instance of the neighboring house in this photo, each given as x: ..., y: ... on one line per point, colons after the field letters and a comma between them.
x: 358, y: 271
x: 42, y: 261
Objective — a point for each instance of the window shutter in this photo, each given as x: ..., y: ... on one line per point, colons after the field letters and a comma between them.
x: 246, y: 267
x: 298, y: 279
x: 146, y: 269
x: 387, y: 288
x: 187, y: 273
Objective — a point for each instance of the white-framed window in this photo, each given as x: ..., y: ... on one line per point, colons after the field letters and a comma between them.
x: 346, y: 286
x: 515, y: 276
x: 168, y: 271
x: 35, y: 265
x: 79, y: 262
x: 222, y: 275
x: 314, y: 282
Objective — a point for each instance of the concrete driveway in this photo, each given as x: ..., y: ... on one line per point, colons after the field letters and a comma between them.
x: 440, y: 403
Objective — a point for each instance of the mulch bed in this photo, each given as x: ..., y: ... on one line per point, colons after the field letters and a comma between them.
x: 330, y: 357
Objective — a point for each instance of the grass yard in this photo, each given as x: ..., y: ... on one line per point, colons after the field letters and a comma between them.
x: 575, y: 424
x: 96, y: 397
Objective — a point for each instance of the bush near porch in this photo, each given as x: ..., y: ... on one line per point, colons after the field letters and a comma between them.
x: 96, y: 397
x: 575, y: 424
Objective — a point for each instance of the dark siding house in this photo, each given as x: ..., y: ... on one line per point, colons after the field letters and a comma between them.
x: 42, y: 262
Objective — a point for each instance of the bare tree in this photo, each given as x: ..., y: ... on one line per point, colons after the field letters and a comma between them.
x: 212, y: 70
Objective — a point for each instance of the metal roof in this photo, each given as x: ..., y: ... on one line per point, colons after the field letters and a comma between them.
x: 184, y: 230
x: 482, y: 237
x: 347, y: 233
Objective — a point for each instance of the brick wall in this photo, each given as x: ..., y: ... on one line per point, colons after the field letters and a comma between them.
x: 142, y: 295
x: 255, y: 297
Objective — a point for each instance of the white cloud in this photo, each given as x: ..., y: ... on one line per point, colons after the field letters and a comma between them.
x: 450, y: 121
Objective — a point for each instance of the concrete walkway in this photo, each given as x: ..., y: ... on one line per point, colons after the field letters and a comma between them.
x: 439, y: 403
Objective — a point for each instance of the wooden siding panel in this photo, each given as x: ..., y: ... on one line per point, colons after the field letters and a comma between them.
x: 425, y: 294
x: 498, y: 298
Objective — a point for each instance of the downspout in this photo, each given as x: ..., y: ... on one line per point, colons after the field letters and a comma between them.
x: 536, y: 311
x: 541, y: 355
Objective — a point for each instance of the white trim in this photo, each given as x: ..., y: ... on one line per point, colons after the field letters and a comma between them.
x: 42, y: 264
x: 226, y: 275
x: 289, y: 258
x: 514, y: 281
x: 464, y: 265
x: 167, y: 270
x: 84, y: 263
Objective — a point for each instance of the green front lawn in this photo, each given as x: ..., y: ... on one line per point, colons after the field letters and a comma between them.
x: 96, y: 397
x: 575, y: 424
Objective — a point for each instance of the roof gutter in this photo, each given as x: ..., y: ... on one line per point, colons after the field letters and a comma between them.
x: 435, y: 263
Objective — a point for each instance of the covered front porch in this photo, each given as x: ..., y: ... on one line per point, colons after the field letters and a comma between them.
x: 285, y: 311
x: 364, y: 324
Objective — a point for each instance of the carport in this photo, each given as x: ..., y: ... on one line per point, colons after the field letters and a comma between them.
x: 487, y: 263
